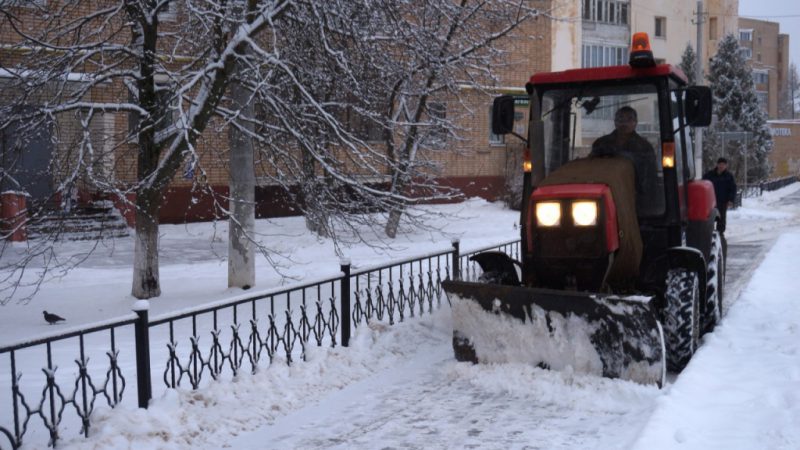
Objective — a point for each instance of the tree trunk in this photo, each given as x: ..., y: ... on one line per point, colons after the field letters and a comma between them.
x: 394, y: 222
x: 145, y: 263
x: 241, y: 224
x: 316, y: 214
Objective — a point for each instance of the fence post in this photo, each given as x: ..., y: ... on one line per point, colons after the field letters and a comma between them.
x: 456, y: 259
x: 142, y: 331
x: 344, y: 284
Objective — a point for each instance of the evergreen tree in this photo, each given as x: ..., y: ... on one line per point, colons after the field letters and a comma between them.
x: 737, y: 109
x: 688, y: 64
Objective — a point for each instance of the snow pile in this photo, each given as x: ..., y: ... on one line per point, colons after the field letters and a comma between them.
x: 499, y: 338
x: 431, y: 401
x: 742, y: 388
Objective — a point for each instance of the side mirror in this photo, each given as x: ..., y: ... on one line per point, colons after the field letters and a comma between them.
x: 698, y: 106
x: 503, y: 115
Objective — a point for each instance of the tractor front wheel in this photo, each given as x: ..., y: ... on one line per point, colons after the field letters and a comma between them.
x: 681, y: 317
x: 716, y: 283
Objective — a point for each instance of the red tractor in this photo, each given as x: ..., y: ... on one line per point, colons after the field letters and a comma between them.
x: 622, y: 266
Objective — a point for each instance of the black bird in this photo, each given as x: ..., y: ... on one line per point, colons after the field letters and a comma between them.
x: 52, y: 318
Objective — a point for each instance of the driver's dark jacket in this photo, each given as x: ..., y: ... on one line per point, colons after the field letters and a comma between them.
x: 638, y: 150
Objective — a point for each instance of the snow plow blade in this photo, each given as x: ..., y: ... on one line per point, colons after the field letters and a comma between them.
x: 604, y: 335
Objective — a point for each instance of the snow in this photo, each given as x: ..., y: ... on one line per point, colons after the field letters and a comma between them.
x: 499, y: 338
x: 194, y: 269
x: 400, y: 387
x: 742, y: 388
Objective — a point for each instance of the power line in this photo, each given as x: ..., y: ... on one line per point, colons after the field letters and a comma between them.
x: 764, y: 17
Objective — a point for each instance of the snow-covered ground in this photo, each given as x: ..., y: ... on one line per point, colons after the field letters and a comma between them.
x: 742, y: 388
x: 398, y: 387
x: 194, y: 269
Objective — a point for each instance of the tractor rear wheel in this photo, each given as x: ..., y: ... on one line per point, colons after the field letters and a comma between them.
x: 681, y: 317
x: 716, y: 283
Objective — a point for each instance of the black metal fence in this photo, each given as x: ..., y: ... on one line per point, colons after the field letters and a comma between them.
x: 756, y: 190
x: 58, y: 394
x: 194, y: 347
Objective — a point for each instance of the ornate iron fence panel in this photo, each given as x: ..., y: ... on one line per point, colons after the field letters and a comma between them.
x: 56, y: 383
x: 471, y: 271
x: 402, y: 290
x: 224, y: 340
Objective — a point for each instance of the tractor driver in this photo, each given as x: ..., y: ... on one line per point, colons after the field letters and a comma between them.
x: 624, y: 141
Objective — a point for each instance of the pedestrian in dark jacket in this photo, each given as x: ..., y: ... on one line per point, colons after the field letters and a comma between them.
x: 724, y: 189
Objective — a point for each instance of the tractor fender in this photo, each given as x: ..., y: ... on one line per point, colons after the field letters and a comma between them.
x: 691, y: 259
x: 699, y: 233
x: 498, y: 267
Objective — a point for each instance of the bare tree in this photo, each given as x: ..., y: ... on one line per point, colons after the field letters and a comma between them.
x: 443, y: 47
x: 338, y: 100
x: 172, y: 75
x: 788, y: 94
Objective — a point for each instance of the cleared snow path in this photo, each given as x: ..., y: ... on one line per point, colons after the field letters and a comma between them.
x: 433, y: 402
x: 742, y: 388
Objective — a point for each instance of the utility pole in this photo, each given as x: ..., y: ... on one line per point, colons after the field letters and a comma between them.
x: 791, y: 84
x: 698, y: 77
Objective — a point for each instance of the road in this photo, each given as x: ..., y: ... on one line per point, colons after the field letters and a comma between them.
x: 433, y: 402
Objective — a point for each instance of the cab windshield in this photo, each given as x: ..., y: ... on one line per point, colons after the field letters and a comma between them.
x: 623, y: 121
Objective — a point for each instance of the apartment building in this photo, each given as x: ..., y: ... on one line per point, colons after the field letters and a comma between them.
x: 767, y: 52
x: 669, y: 24
x: 721, y: 19
x: 606, y: 32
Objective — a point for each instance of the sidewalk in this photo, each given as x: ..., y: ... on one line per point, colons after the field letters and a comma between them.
x: 742, y: 388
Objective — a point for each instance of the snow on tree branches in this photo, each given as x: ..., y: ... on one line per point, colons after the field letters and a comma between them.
x: 342, y: 105
x: 737, y: 108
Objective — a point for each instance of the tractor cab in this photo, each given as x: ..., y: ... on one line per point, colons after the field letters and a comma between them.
x: 619, y: 248
x: 642, y: 113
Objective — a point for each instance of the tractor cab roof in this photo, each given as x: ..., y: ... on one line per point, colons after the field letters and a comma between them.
x: 625, y: 72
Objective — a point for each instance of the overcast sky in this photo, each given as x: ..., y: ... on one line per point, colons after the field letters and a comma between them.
x: 785, y: 12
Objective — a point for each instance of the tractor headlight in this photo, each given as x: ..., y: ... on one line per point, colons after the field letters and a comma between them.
x: 548, y: 214
x: 584, y: 213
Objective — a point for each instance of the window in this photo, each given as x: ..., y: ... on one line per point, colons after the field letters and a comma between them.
x: 169, y: 12
x: 602, y: 56
x: 758, y: 57
x: 761, y: 77
x: 495, y: 139
x: 23, y: 3
x: 746, y: 35
x: 613, y: 12
x: 746, y: 52
x: 570, y: 130
x: 437, y: 115
x: 164, y: 96
x: 762, y: 99
x: 363, y: 127
x: 661, y: 27
x: 712, y: 28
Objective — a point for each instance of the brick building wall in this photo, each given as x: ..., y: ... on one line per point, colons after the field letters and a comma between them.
x: 785, y: 156
x: 766, y: 51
